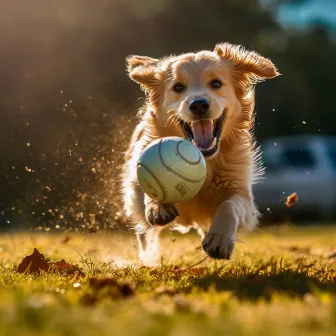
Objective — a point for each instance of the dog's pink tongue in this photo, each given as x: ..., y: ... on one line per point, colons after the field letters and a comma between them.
x: 203, y: 133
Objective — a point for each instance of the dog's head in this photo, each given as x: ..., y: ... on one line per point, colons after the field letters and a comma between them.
x: 201, y: 92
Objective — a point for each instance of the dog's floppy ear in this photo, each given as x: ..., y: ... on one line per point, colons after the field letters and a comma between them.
x: 142, y: 69
x: 253, y: 66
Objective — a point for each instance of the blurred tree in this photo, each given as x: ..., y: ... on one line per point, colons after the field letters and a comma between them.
x: 67, y: 106
x: 305, y: 92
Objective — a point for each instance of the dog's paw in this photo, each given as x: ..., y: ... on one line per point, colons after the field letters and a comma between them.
x: 160, y: 214
x: 218, y: 246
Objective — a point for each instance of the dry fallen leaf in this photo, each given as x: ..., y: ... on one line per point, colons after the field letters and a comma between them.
x: 65, y: 268
x: 189, y: 270
x: 292, y: 199
x: 34, y: 263
x: 100, y: 283
x: 106, y: 288
x: 89, y: 299
x: 37, y: 263
x: 115, y: 288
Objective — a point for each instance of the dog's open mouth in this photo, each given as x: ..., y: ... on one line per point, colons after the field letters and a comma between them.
x: 205, y: 134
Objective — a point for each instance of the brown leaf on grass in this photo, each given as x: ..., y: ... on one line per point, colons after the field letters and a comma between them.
x: 37, y: 263
x: 189, y: 271
x: 292, y: 199
x: 34, y: 263
x: 100, y: 283
x: 65, y: 268
x: 89, y: 299
x: 120, y: 289
x: 198, y: 270
x: 126, y: 290
x: 101, y: 288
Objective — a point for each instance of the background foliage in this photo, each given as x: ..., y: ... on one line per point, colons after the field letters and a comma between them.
x: 67, y: 106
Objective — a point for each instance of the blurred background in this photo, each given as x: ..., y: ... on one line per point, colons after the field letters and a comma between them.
x: 67, y: 107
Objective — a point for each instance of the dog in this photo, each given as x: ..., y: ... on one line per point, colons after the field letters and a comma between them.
x: 208, y: 98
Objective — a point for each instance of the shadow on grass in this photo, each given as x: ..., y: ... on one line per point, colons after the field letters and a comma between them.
x: 270, y: 279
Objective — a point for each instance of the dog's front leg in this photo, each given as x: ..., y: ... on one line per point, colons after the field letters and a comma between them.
x: 219, y: 241
x: 158, y: 213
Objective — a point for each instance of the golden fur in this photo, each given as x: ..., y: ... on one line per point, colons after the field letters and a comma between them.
x: 225, y: 200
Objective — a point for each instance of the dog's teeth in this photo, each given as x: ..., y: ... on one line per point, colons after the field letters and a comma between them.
x: 213, y: 143
x: 193, y: 141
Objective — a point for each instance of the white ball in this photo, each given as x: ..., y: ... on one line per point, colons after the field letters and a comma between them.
x: 171, y: 170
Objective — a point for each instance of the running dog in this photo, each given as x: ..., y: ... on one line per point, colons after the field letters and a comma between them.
x: 208, y: 98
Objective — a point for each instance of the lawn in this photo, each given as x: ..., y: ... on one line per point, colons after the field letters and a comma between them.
x: 280, y: 281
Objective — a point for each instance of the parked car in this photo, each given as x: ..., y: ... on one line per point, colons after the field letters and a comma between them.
x: 303, y: 164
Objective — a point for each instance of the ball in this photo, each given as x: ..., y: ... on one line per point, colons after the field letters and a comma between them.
x: 171, y: 170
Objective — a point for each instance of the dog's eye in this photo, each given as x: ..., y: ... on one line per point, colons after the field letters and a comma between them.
x: 178, y: 88
x: 216, y: 84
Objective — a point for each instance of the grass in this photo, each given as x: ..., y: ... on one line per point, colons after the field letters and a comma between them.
x: 282, y: 281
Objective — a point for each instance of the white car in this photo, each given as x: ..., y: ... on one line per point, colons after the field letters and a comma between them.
x: 302, y: 164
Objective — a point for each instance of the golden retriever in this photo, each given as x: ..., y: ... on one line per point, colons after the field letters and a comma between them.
x: 208, y: 98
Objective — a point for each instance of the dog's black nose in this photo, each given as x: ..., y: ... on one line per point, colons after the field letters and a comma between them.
x: 199, y: 106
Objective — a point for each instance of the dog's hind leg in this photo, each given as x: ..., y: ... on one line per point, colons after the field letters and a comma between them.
x: 149, y: 246
x: 142, y: 245
x: 149, y: 218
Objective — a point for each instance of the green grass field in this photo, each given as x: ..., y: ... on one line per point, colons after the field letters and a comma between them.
x: 281, y: 281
